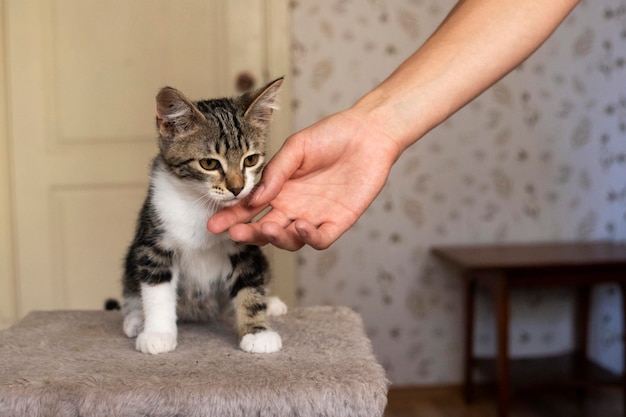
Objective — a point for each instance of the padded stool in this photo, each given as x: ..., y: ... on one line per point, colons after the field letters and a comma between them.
x: 79, y: 363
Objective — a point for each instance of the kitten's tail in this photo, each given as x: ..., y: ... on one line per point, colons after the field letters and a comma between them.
x: 112, y: 304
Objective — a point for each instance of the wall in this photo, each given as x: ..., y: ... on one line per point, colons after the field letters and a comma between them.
x: 540, y: 156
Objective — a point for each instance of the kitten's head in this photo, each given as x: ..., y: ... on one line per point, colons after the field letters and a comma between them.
x: 217, y: 146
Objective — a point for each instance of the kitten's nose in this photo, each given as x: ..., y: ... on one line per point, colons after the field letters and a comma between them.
x: 235, y: 190
x: 235, y: 182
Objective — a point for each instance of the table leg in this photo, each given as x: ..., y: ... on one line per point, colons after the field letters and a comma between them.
x: 583, y: 303
x: 502, y: 358
x: 582, y: 329
x: 469, y: 297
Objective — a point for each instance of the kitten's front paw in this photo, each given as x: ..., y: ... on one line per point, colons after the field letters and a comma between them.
x: 275, y: 307
x: 267, y: 341
x: 156, y: 342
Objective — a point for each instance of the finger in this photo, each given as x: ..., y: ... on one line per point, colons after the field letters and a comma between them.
x: 249, y: 234
x: 280, y: 168
x: 255, y: 233
x: 269, y: 232
x: 229, y: 216
x: 317, y: 237
x: 282, y: 237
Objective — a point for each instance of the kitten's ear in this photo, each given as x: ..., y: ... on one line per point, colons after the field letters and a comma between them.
x: 260, y: 104
x: 176, y: 115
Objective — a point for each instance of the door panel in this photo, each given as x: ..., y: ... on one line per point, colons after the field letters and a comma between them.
x: 81, y: 233
x: 110, y: 57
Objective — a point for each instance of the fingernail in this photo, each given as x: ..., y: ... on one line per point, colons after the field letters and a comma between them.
x: 257, y: 193
x: 302, y: 232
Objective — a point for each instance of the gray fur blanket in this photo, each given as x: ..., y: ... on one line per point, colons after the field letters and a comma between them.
x: 79, y: 363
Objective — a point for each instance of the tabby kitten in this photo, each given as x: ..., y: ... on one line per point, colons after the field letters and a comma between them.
x: 211, y: 153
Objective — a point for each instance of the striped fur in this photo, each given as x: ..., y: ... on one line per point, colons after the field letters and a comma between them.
x: 210, y: 154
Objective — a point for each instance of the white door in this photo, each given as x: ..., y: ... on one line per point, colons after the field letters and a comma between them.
x: 82, y: 76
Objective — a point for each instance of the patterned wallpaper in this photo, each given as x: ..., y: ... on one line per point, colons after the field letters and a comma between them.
x: 541, y: 156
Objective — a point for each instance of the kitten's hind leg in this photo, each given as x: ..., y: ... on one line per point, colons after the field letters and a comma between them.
x: 252, y: 326
x: 133, y: 316
x: 275, y: 306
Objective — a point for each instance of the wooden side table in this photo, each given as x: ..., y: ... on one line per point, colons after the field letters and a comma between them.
x: 501, y: 268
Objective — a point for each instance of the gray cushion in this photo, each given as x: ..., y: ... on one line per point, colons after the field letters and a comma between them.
x: 79, y: 363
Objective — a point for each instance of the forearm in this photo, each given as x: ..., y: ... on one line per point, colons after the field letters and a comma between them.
x: 478, y: 43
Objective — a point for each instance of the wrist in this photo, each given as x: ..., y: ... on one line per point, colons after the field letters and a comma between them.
x: 402, y: 111
x: 375, y: 120
x: 379, y: 113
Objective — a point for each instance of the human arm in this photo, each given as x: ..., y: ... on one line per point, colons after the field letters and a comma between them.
x: 325, y: 176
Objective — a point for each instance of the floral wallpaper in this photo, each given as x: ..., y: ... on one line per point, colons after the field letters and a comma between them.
x: 541, y: 156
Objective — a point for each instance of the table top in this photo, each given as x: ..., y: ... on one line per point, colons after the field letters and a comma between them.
x: 534, y: 255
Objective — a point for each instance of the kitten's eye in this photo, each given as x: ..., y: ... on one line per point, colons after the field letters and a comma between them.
x: 210, y: 164
x: 251, y: 160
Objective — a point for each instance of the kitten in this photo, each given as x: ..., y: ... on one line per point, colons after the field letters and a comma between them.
x: 211, y: 153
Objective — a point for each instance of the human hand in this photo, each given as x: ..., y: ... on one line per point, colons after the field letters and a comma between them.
x: 318, y: 185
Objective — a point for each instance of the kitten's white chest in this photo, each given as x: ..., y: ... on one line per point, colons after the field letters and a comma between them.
x: 200, y: 283
x: 199, y: 255
x: 183, y: 213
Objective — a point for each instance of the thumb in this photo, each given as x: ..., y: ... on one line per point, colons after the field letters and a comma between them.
x: 280, y: 168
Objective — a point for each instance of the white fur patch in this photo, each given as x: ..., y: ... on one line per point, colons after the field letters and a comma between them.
x: 275, y: 307
x: 159, y: 307
x: 184, y: 209
x: 156, y: 343
x: 267, y: 341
